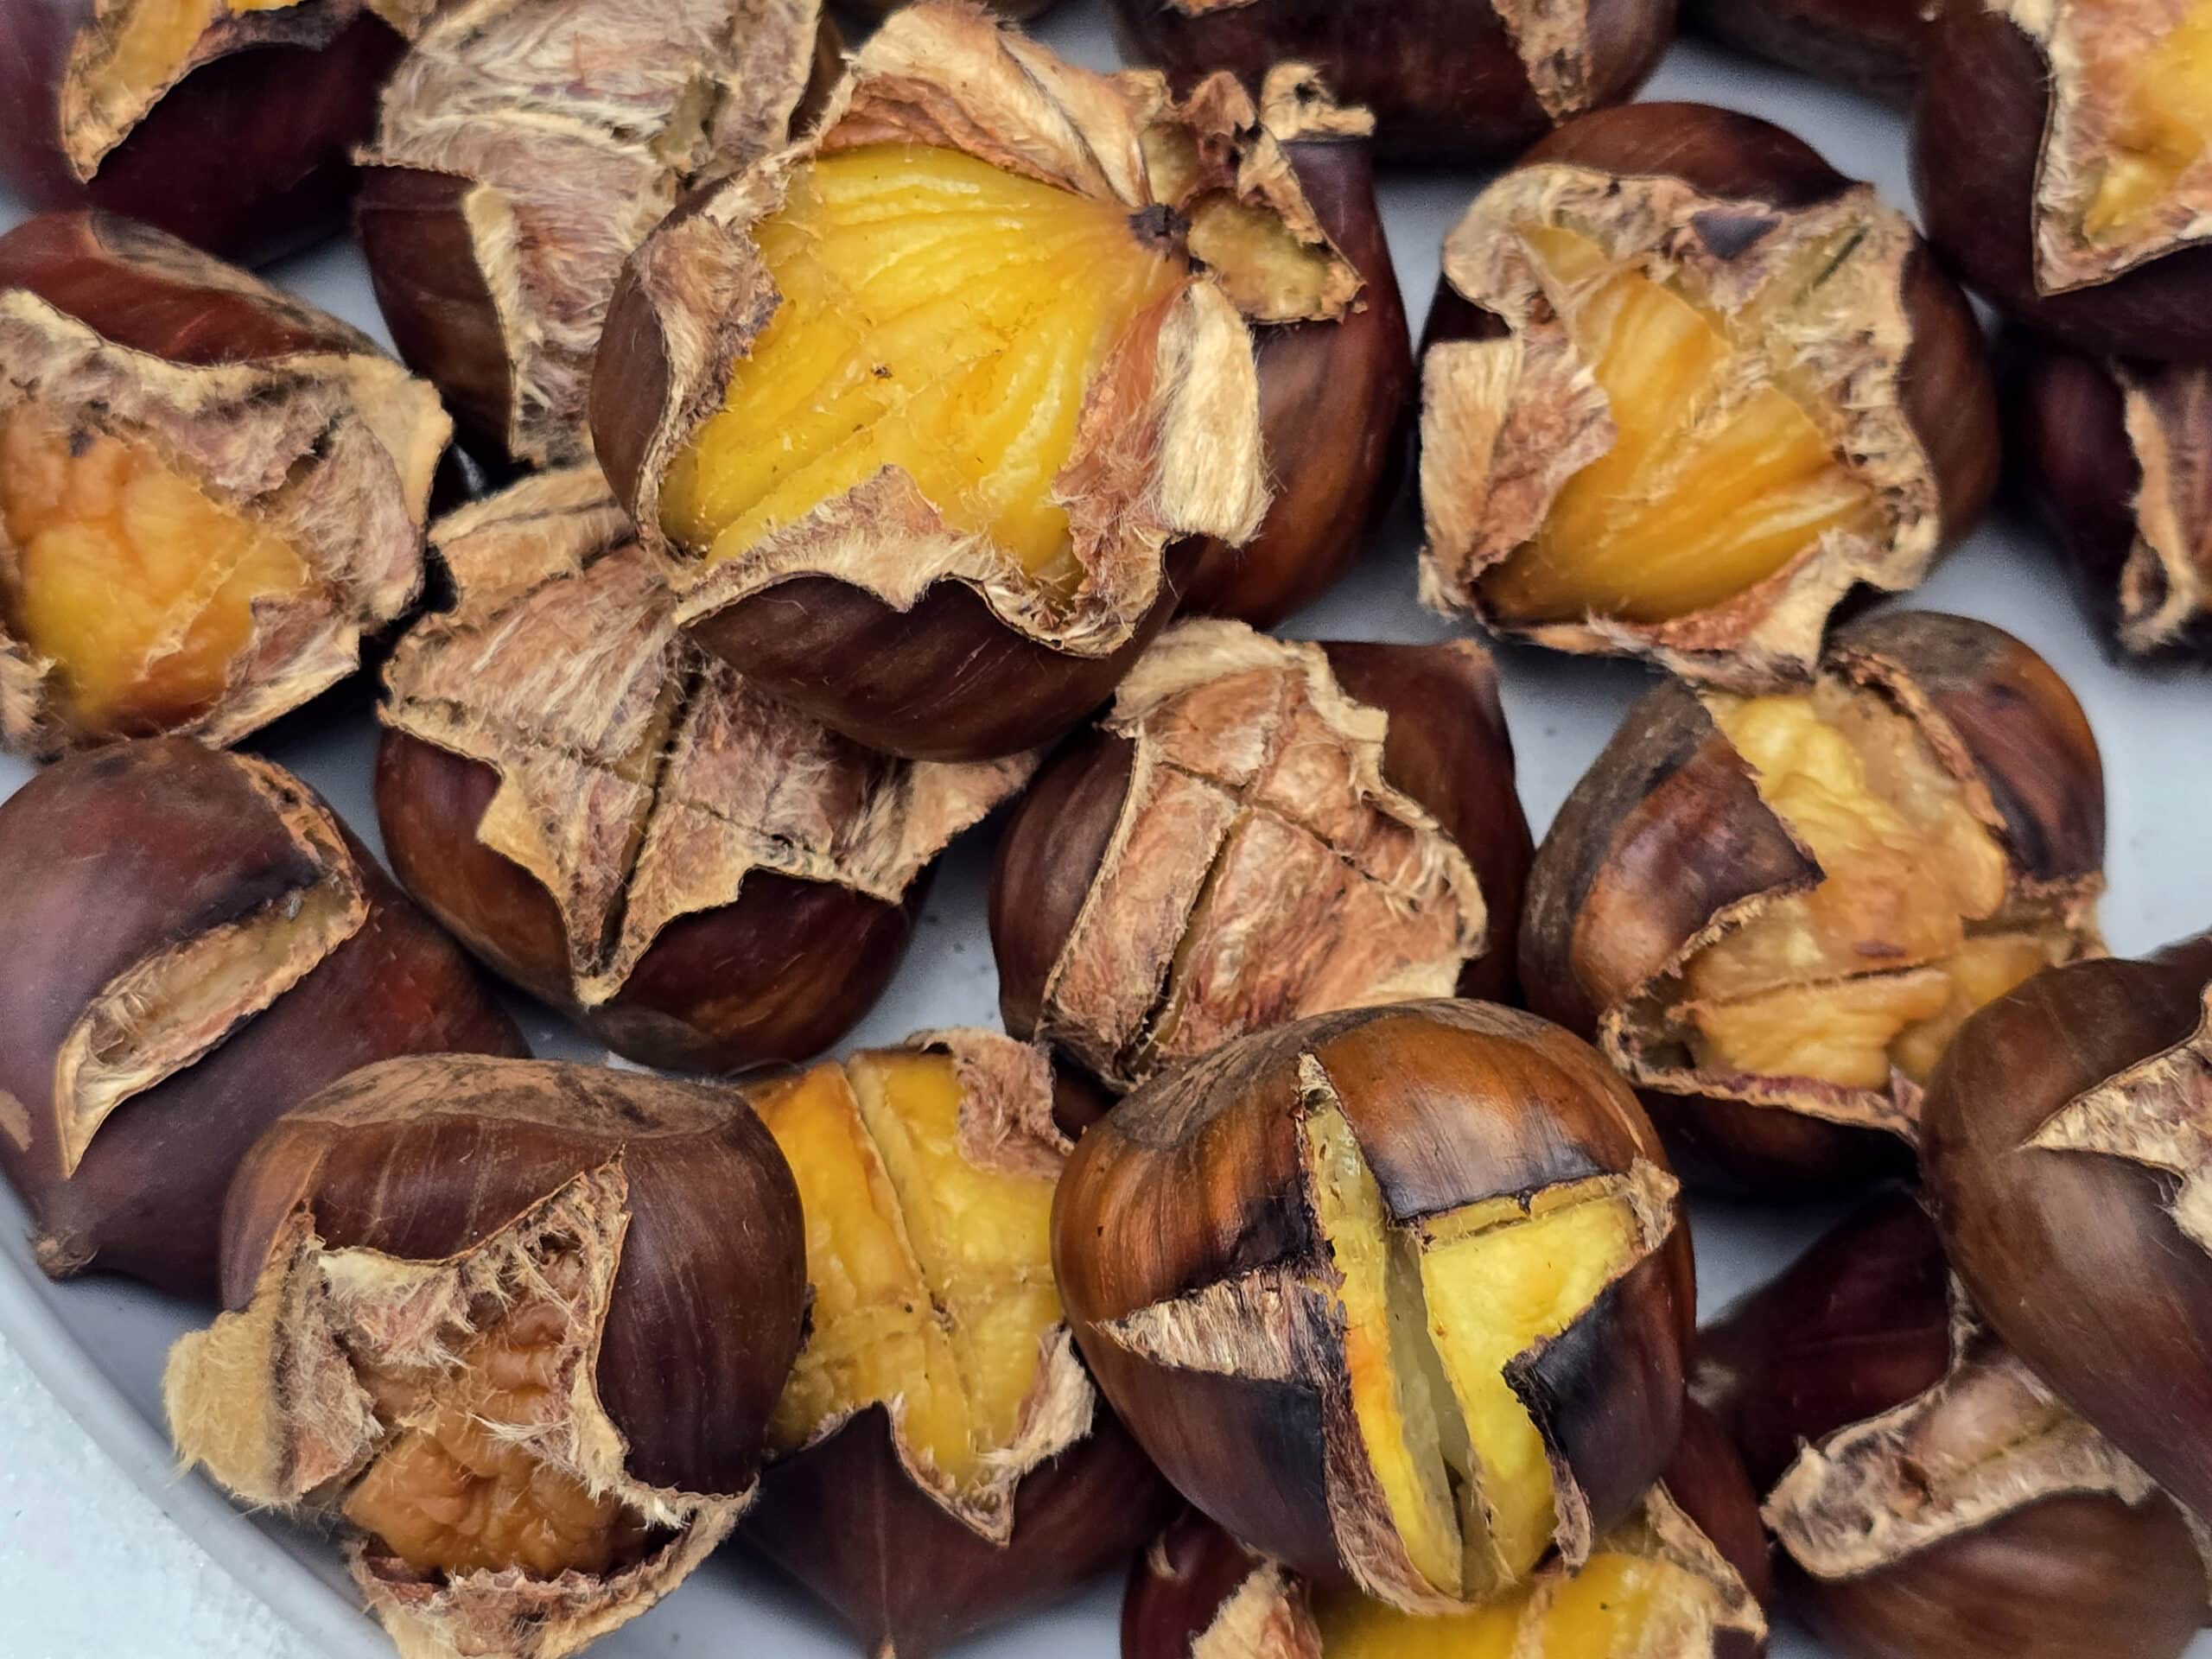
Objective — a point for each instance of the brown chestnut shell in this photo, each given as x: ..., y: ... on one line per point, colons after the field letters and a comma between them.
x: 1874, y: 47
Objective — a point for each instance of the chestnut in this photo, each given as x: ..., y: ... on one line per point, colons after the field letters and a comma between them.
x: 519, y: 1325
x: 1874, y: 47
x: 2064, y: 1150
x: 1020, y: 10
x: 1686, y: 388
x: 210, y: 494
x: 191, y: 944
x: 522, y: 151
x: 1935, y: 1502
x: 1259, y: 830
x: 229, y: 125
x: 1018, y: 424
x: 2116, y: 452
x: 1772, y: 913
x: 1334, y: 395
x: 624, y: 827
x: 1685, y: 1576
x: 1449, y: 80
x: 940, y: 1460
x: 2058, y: 151
x: 1398, y: 1295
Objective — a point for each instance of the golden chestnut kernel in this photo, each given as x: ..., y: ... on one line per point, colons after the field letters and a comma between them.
x: 624, y: 826
x: 925, y: 409
x: 1401, y: 1337
x: 1247, y: 840
x: 1775, y: 911
x: 209, y: 493
x: 519, y: 1325
x: 1682, y: 413
x: 941, y: 1458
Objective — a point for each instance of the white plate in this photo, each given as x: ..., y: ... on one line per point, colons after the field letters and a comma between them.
x: 98, y: 1343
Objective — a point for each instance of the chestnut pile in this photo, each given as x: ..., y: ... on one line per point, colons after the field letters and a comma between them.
x: 859, y: 443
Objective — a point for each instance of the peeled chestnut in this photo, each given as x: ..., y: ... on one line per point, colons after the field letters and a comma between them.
x: 1772, y: 913
x: 1685, y: 1576
x: 519, y: 1325
x: 1261, y: 830
x: 228, y: 122
x: 1449, y: 80
x: 626, y: 828
x: 1871, y: 46
x: 210, y: 494
x: 940, y: 1460
x: 1686, y: 387
x: 1399, y: 1295
x: 1334, y: 394
x: 941, y: 500
x: 2065, y: 1144
x: 523, y: 151
x: 2116, y: 453
x: 1935, y: 1502
x: 2060, y: 155
x: 190, y: 944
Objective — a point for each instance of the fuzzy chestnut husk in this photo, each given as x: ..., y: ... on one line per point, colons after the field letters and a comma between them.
x: 244, y: 149
x: 1261, y: 831
x: 869, y: 613
x: 1334, y: 395
x: 1948, y: 1505
x: 2119, y: 456
x: 1190, y: 1250
x: 377, y: 1229
x: 1200, y: 1594
x: 525, y: 147
x: 624, y: 827
x: 1665, y: 844
x: 1884, y: 350
x: 190, y: 944
x: 2064, y: 1144
x: 1448, y: 80
x: 268, y: 405
x: 1874, y: 47
x: 2006, y: 139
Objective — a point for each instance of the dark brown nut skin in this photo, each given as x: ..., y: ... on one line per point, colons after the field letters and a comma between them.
x: 1448, y: 748
x: 927, y: 1581
x: 2072, y: 1255
x: 109, y: 858
x: 1333, y: 412
x: 779, y: 976
x: 1871, y: 46
x: 1666, y: 828
x: 250, y: 155
x: 1195, y: 1182
x: 1445, y: 79
x: 1977, y: 150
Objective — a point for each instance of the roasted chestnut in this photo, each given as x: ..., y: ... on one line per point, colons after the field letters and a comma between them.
x: 1261, y: 830
x: 1021, y: 10
x: 1334, y: 395
x: 1400, y: 1296
x: 941, y: 1459
x: 2064, y: 1144
x: 2060, y: 153
x: 228, y: 122
x: 1449, y: 80
x: 524, y: 150
x: 209, y: 493
x: 519, y: 1325
x: 190, y: 944
x: 1685, y: 1577
x: 1014, y: 428
x: 1686, y: 387
x: 625, y: 827
x: 1934, y: 1504
x: 1871, y: 46
x: 2117, y: 454
x: 1772, y: 913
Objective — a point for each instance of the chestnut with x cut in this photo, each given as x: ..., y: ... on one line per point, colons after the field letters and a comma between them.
x: 1398, y: 1295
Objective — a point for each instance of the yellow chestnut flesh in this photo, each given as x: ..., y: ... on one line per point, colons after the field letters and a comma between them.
x: 2163, y: 126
